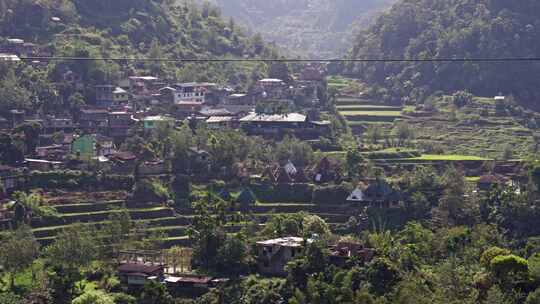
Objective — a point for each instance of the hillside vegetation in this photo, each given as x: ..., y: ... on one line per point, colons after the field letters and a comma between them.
x: 126, y: 28
x: 316, y: 28
x: 452, y: 29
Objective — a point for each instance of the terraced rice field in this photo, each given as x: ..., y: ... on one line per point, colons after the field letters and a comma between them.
x: 157, y: 218
x: 361, y: 113
x: 450, y: 157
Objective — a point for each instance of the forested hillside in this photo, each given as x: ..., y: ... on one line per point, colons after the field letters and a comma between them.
x: 305, y: 27
x: 453, y: 29
x: 153, y: 28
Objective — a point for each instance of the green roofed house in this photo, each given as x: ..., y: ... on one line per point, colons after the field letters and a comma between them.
x: 246, y: 198
x: 89, y: 146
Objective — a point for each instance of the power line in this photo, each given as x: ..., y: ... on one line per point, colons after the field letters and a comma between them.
x: 204, y: 60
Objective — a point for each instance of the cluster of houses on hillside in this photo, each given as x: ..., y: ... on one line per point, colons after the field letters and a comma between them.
x: 271, y: 256
x: 115, y: 111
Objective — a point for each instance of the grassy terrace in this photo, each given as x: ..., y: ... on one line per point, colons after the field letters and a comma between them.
x: 368, y: 123
x: 450, y: 157
x: 161, y: 219
x: 367, y: 108
x: 371, y: 113
x: 363, y: 113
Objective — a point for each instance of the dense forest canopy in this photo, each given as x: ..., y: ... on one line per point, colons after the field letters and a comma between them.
x: 453, y: 29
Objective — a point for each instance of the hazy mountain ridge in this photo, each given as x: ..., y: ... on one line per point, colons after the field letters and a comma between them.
x: 305, y: 27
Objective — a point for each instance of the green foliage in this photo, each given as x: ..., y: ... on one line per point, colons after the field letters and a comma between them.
x: 77, y: 180
x: 75, y: 247
x: 293, y: 193
x: 31, y: 132
x: 313, y: 38
x: 462, y: 98
x: 93, y: 297
x: 489, y: 254
x: 298, y: 152
x: 534, y: 175
x: 143, y: 28
x: 331, y: 194
x: 508, y: 267
x: 33, y: 202
x: 280, y: 70
x: 155, y: 292
x: 12, y: 94
x: 534, y: 267
x: 9, y: 298
x: 233, y: 255
x: 481, y: 29
x: 313, y: 224
x: 150, y: 190
x: 11, y: 149
x: 18, y: 250
x: 533, y: 297
x: 354, y: 161
x: 382, y: 275
x: 213, y: 249
x: 373, y: 134
x: 403, y: 132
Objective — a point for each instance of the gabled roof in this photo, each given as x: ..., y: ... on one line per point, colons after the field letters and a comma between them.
x: 189, y: 280
x: 290, y: 168
x: 119, y: 90
x: 271, y: 80
x: 158, y: 118
x: 219, y: 119
x: 215, y: 112
x: 144, y: 78
x: 123, y: 156
x: 290, y: 117
x: 9, y: 57
x: 94, y: 111
x: 290, y: 241
x: 356, y: 196
x: 140, y: 268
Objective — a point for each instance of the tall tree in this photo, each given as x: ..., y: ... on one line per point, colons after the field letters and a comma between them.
x: 18, y: 250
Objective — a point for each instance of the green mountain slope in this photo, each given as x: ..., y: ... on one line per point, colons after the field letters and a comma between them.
x: 131, y: 28
x: 448, y: 29
x: 317, y: 28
